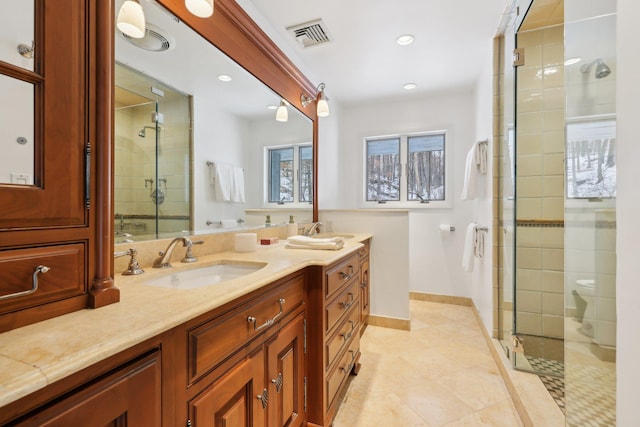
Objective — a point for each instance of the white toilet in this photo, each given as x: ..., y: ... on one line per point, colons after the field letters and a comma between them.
x: 586, y: 289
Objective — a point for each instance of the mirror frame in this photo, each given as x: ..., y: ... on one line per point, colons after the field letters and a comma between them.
x: 232, y: 31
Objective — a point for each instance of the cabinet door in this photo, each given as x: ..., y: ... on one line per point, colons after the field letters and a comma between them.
x: 237, y: 399
x: 52, y: 191
x: 285, y: 371
x: 365, y: 293
x: 128, y: 397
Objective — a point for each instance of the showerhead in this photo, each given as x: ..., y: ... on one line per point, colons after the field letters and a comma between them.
x: 142, y: 133
x: 602, y: 69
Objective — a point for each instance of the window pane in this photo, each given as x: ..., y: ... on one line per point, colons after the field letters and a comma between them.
x: 425, y: 167
x: 306, y: 174
x: 281, y: 175
x: 383, y: 169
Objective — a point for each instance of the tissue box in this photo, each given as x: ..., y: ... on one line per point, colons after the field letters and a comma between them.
x: 269, y: 241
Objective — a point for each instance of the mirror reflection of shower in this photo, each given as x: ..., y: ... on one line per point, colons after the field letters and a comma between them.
x: 143, y: 132
x: 602, y: 69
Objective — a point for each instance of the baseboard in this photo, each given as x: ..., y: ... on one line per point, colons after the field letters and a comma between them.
x: 442, y: 299
x: 390, y: 322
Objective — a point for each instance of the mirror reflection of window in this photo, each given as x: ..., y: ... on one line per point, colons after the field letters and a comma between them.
x: 290, y: 174
x: 591, y: 159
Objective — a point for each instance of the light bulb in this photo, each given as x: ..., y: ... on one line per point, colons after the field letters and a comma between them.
x: 282, y: 115
x: 131, y: 19
x: 200, y: 8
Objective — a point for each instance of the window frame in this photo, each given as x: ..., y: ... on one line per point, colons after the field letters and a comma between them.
x: 404, y: 203
x: 296, y: 203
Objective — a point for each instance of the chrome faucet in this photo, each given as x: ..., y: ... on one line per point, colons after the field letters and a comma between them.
x: 164, y: 260
x: 312, y: 229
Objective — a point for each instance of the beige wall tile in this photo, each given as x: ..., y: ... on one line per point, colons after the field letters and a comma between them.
x: 553, y: 120
x: 529, y: 301
x: 529, y: 280
x: 553, y: 142
x: 553, y: 54
x: 553, y: 35
x: 529, y: 38
x: 529, y: 237
x: 529, y: 79
x: 529, y: 323
x: 553, y: 76
x: 553, y: 98
x: 530, y: 186
x: 553, y: 237
x: 553, y: 326
x: 529, y: 101
x: 553, y: 259
x: 533, y: 57
x: 553, y: 281
x: 553, y: 164
x: 530, y: 165
x: 529, y: 258
x: 553, y: 186
x: 529, y: 123
x: 529, y: 144
x: 553, y: 303
x: 553, y: 208
x: 529, y: 207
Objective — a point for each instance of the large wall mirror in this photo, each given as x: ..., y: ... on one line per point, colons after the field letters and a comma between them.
x: 198, y: 147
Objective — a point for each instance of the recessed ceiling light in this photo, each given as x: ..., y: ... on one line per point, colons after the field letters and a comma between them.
x: 409, y: 86
x: 571, y: 61
x: 224, y: 78
x: 405, y: 39
x: 272, y: 107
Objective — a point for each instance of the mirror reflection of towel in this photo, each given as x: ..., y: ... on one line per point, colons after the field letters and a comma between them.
x: 227, y: 181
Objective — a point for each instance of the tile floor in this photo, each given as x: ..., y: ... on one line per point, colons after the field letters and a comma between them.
x: 441, y: 373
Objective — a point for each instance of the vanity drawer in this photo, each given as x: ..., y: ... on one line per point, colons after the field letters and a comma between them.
x: 341, y: 274
x: 341, y: 338
x: 64, y: 278
x: 336, y: 379
x: 339, y: 307
x: 215, y: 340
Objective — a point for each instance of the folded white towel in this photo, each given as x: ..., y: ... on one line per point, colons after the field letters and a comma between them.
x: 307, y: 240
x: 229, y: 223
x: 334, y: 246
x: 475, y: 163
x: 237, y: 187
x: 221, y: 176
x: 469, y: 248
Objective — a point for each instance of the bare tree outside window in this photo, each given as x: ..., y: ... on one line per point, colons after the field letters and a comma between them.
x: 590, y: 159
x: 383, y: 169
x: 425, y: 167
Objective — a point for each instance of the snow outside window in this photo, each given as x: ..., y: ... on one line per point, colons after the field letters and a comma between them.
x: 421, y: 156
x: 290, y: 174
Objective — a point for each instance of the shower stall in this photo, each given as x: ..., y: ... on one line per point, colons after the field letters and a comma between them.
x: 152, y: 158
x: 556, y: 278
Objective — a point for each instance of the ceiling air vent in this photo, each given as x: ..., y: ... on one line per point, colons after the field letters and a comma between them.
x: 154, y: 40
x: 311, y: 33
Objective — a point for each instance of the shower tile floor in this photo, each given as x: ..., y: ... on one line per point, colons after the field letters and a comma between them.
x: 441, y: 373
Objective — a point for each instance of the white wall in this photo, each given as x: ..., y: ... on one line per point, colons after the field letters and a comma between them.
x: 628, y: 236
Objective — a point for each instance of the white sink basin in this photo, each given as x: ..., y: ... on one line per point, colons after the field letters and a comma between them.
x: 204, y: 276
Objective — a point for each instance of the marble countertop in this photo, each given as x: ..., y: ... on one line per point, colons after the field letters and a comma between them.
x: 37, y: 355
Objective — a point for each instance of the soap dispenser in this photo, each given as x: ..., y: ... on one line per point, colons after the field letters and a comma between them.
x: 292, y: 227
x: 267, y: 221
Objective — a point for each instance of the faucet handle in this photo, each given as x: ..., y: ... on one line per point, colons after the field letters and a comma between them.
x: 134, y: 267
x: 188, y: 256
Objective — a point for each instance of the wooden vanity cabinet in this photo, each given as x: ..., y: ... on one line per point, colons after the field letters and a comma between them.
x: 246, y: 364
x: 51, y: 218
x: 334, y: 335
x: 365, y: 285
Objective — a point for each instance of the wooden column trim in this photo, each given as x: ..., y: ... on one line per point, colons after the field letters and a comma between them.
x: 103, y: 290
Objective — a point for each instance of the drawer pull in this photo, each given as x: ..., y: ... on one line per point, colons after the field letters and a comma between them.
x: 278, y: 381
x: 269, y: 322
x: 34, y: 283
x: 264, y: 398
x: 350, y: 365
x: 349, y: 303
x: 346, y: 276
x: 347, y: 335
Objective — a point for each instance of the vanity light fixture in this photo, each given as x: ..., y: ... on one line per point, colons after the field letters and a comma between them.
x: 282, y: 114
x: 405, y: 39
x: 200, y: 8
x: 322, y: 106
x: 409, y: 86
x: 131, y: 19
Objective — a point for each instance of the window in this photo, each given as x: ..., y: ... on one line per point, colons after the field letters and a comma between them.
x: 423, y: 158
x: 290, y: 174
